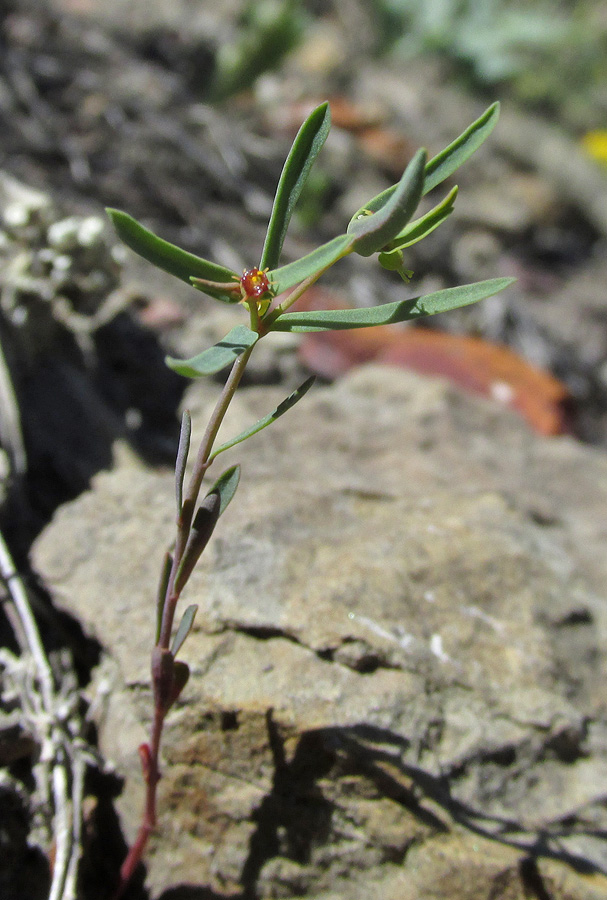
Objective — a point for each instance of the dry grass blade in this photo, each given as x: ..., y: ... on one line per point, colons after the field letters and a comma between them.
x: 50, y: 713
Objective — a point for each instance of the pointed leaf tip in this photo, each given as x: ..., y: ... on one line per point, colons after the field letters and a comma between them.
x: 167, y: 256
x: 306, y: 147
x: 373, y: 232
x: 226, y: 486
x: 185, y: 626
x: 458, y: 151
x: 390, y: 313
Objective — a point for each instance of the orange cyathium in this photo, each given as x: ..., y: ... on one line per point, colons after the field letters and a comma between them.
x: 254, y: 283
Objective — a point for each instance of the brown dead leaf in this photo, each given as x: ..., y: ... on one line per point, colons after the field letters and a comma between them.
x: 474, y: 364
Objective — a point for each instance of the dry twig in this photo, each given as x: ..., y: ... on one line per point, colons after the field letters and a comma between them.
x: 49, y: 710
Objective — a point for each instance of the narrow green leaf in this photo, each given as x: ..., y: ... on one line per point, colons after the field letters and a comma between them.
x: 282, y: 408
x: 446, y: 162
x: 182, y: 457
x: 226, y: 486
x: 168, y: 257
x: 451, y: 158
x: 372, y: 232
x: 217, y: 357
x: 389, y: 313
x: 205, y: 520
x: 167, y: 564
x: 185, y: 626
x: 462, y: 295
x: 319, y: 259
x: 423, y: 226
x: 306, y: 147
x: 203, y: 526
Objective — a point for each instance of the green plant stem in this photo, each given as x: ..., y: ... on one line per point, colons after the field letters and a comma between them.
x: 202, y: 459
x: 296, y: 293
x: 251, y: 305
x: 191, y: 495
x: 184, y: 524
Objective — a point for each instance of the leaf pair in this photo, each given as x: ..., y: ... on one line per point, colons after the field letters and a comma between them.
x: 384, y: 226
x: 392, y: 256
x: 204, y: 521
x: 306, y: 147
x: 383, y: 219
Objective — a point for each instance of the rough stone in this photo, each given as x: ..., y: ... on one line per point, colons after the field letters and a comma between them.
x: 398, y: 662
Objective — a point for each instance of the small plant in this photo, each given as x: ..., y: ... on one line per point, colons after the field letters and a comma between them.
x: 384, y: 226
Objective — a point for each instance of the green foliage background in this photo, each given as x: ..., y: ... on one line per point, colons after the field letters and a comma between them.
x: 551, y: 55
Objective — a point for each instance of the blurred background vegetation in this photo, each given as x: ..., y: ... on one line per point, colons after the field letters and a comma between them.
x: 551, y: 56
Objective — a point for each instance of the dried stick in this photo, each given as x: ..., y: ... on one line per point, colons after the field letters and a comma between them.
x: 50, y: 715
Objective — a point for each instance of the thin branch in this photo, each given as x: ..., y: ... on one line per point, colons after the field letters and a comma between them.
x: 30, y: 629
x: 10, y: 421
x: 51, y: 715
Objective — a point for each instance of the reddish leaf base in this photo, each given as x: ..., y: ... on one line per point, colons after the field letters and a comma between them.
x: 473, y: 364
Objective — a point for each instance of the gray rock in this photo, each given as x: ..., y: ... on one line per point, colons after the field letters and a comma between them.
x: 399, y: 659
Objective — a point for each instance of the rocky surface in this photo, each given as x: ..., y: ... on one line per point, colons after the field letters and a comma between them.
x: 399, y: 659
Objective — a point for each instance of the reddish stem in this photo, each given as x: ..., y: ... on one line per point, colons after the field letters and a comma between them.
x: 162, y: 659
x: 148, y: 820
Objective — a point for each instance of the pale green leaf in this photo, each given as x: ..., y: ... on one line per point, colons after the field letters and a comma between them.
x: 389, y: 313
x: 182, y: 457
x: 373, y: 232
x: 161, y: 595
x: 185, y: 626
x: 280, y: 410
x: 319, y: 259
x: 217, y: 357
x: 170, y: 258
x: 202, y: 528
x: 306, y: 147
x: 226, y: 486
